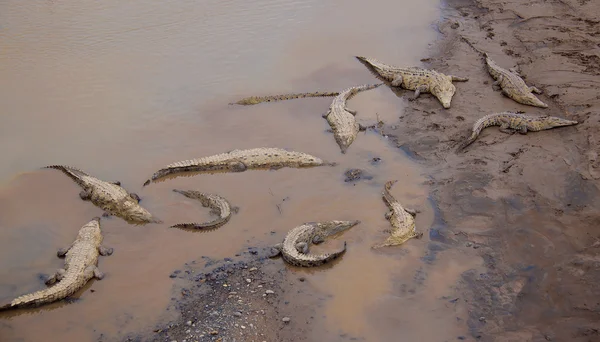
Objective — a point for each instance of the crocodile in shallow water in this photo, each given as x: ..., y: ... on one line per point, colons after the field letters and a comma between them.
x: 252, y: 100
x: 402, y: 220
x: 109, y: 196
x: 342, y: 120
x: 417, y: 79
x: 219, y: 206
x: 242, y: 160
x: 512, y: 85
x: 511, y: 122
x: 294, y: 249
x: 81, y: 260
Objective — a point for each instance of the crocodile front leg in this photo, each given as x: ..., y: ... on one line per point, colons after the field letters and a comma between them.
x: 412, y: 212
x: 317, y: 239
x: 505, y: 128
x: 98, y: 274
x: 420, y: 89
x: 535, y: 90
x: 353, y: 112
x: 85, y: 195
x: 135, y: 197
x: 276, y: 250
x: 397, y: 81
x: 105, y: 251
x: 118, y: 183
x: 497, y: 82
x: 62, y: 252
x: 237, y: 166
x: 522, y: 129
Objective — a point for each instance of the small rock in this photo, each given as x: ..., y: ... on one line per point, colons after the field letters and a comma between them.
x: 481, y: 319
x: 286, y: 319
x: 237, y: 314
x: 248, y: 280
x: 252, y: 269
x: 214, y: 332
x: 269, y: 292
x: 188, y: 323
x: 468, y: 244
x: 454, y: 25
x: 302, y: 279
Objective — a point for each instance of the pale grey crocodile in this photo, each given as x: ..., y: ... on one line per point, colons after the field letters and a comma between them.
x: 342, y: 120
x: 109, y: 196
x: 81, y: 260
x: 219, y: 206
x: 242, y: 160
x: 294, y: 249
x: 417, y: 79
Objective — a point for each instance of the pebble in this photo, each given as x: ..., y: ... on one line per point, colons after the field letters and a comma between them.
x: 214, y: 332
x: 188, y: 323
x: 468, y: 244
x: 302, y: 279
x: 269, y: 292
x: 252, y: 269
x: 481, y: 319
x: 237, y: 314
x: 286, y: 319
x: 248, y: 280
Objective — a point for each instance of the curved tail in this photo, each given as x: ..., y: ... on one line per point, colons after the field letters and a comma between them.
x: 73, y: 173
x: 252, y: 100
x: 387, y: 196
x: 66, y: 287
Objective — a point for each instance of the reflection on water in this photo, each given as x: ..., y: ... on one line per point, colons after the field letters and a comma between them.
x: 122, y: 89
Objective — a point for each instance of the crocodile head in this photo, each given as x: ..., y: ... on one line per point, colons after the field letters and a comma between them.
x: 91, y: 230
x: 532, y: 100
x: 136, y: 213
x: 553, y: 121
x: 333, y: 227
x: 444, y: 91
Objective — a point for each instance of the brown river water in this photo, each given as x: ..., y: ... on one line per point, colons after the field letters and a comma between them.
x: 121, y: 89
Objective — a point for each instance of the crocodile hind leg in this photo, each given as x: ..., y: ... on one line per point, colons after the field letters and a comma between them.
x: 60, y: 273
x: 302, y: 247
x: 397, y: 81
x: 276, y: 250
x: 505, y: 128
x: 353, y: 112
x: 496, y: 84
x: 535, y: 90
x: 522, y: 129
x: 135, y: 197
x: 118, y: 183
x: 105, y: 251
x: 420, y: 89
x: 317, y: 239
x: 412, y: 212
x: 237, y: 166
x: 98, y: 274
x: 62, y: 252
x: 389, y: 214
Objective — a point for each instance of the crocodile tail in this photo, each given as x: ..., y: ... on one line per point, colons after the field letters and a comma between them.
x: 73, y: 173
x: 203, y: 226
x: 252, y: 100
x: 374, y: 67
x: 387, y: 196
x: 352, y: 91
x: 61, y: 290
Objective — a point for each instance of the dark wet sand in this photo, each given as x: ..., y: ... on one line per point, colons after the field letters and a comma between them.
x: 511, y: 247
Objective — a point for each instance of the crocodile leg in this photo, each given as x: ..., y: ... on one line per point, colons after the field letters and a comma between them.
x: 522, y: 129
x: 458, y: 78
x: 389, y: 214
x: 237, y: 166
x: 105, y: 251
x: 496, y: 83
x: 420, y: 89
x: 106, y: 214
x: 353, y: 112
x: 505, y: 128
x: 118, y: 183
x: 324, y: 116
x: 276, y: 250
x: 317, y: 239
x: 98, y: 274
x: 85, y: 195
x: 60, y: 273
x: 412, y: 212
x: 397, y: 81
x: 276, y: 166
x: 302, y: 247
x: 135, y: 197
x: 235, y: 210
x: 62, y: 252
x: 535, y: 90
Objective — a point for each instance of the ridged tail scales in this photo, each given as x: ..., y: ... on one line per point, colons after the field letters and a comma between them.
x: 486, y: 121
x: 217, y: 203
x: 352, y: 91
x: 252, y: 100
x: 387, y: 196
x: 374, y: 66
x: 73, y: 173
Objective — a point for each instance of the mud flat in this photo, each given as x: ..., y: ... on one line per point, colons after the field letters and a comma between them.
x: 526, y: 204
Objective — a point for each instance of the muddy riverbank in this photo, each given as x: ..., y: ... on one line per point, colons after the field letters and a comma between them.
x: 526, y: 205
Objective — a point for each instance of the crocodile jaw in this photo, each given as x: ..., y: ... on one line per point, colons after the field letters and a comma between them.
x: 334, y: 227
x: 444, y: 92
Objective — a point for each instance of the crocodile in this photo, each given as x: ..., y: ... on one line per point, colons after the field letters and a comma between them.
x: 512, y: 84
x: 219, y: 206
x: 511, y: 122
x: 342, y: 120
x: 109, y: 196
x: 252, y: 100
x: 401, y: 218
x: 81, y: 265
x: 294, y: 249
x: 417, y: 79
x: 242, y: 160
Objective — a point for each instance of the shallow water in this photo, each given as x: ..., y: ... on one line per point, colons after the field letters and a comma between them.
x: 120, y: 90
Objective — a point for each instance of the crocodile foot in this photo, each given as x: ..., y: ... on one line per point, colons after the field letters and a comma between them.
x: 276, y: 250
x: 135, y: 197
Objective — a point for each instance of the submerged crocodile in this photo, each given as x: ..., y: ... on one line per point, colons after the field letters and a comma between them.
x: 512, y: 84
x: 81, y: 260
x: 219, y: 206
x: 252, y: 100
x: 402, y: 220
x: 294, y: 249
x: 242, y: 160
x: 109, y: 196
x: 511, y: 122
x: 417, y: 79
x: 342, y: 120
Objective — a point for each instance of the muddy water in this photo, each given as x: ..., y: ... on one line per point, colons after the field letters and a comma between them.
x: 120, y: 90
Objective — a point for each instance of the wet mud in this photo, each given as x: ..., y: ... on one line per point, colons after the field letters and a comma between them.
x: 511, y: 250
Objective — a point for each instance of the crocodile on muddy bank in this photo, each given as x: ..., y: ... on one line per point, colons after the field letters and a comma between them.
x: 109, y: 196
x: 511, y: 122
x: 342, y: 120
x: 252, y: 100
x: 295, y: 247
x: 402, y: 220
x: 81, y: 260
x: 242, y: 160
x: 417, y: 79
x: 219, y: 206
